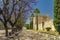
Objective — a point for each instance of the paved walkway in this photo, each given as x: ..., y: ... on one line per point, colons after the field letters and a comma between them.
x: 31, y: 35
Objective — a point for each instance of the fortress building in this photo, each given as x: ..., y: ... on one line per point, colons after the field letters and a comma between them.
x: 44, y: 21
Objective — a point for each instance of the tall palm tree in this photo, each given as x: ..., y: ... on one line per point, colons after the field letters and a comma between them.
x: 31, y: 23
x: 36, y: 11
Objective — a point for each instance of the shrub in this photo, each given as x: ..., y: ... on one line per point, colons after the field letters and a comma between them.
x: 27, y: 26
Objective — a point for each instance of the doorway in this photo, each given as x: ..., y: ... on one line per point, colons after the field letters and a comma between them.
x: 43, y: 25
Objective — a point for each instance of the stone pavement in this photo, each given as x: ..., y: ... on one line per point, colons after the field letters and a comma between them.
x: 31, y: 35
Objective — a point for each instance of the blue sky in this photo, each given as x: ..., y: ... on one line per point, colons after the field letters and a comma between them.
x: 45, y: 7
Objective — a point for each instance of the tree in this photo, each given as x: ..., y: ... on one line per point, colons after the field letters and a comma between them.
x: 57, y: 15
x: 36, y: 11
x: 20, y: 22
x: 31, y: 22
x: 13, y: 10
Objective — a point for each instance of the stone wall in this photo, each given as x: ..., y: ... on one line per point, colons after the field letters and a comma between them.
x: 43, y: 19
x: 49, y: 24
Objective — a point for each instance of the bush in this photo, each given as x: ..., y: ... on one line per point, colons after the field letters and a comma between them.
x: 27, y: 26
x: 48, y: 28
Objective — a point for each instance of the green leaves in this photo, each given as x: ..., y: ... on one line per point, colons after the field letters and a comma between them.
x: 27, y: 26
x: 36, y: 11
x: 57, y: 15
x: 32, y: 15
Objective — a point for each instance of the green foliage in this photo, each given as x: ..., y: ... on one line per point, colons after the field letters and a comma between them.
x: 36, y: 10
x: 31, y: 25
x: 27, y: 26
x: 32, y: 15
x: 20, y: 21
x: 1, y: 24
x: 57, y: 15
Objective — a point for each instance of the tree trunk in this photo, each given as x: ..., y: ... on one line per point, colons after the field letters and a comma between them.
x: 13, y: 30
x: 6, y: 29
x: 6, y: 32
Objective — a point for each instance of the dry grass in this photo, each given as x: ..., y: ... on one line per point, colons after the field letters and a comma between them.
x: 48, y: 32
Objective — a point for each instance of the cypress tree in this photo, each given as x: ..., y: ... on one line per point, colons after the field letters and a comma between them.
x: 57, y: 15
